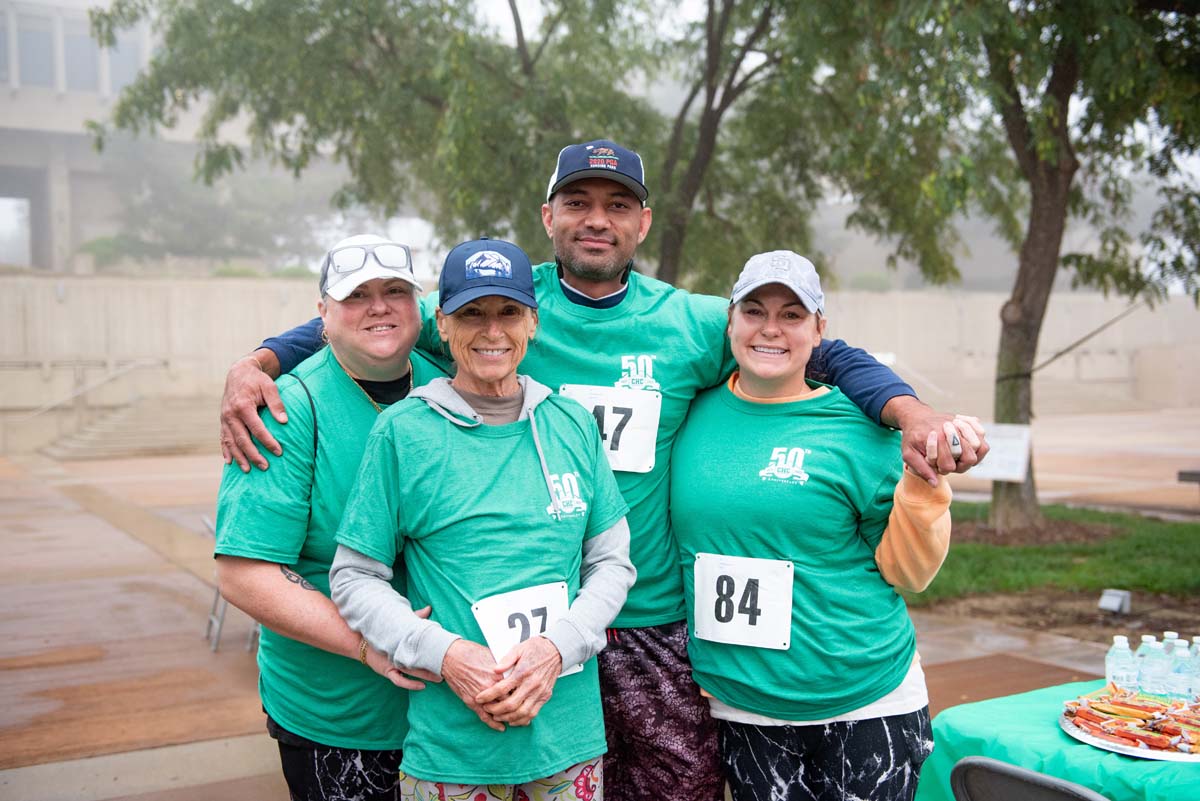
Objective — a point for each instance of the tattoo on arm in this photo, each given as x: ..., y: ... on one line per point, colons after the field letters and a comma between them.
x: 295, y: 578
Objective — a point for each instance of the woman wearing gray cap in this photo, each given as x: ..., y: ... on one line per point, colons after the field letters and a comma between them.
x: 798, y: 635
x: 329, y: 697
x: 497, y: 497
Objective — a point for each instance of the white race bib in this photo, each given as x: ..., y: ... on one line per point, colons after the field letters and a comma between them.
x: 628, y: 420
x: 744, y: 601
x: 511, y: 618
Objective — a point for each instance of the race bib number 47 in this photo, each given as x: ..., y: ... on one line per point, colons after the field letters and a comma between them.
x: 628, y: 421
x: 511, y: 618
x: 743, y: 601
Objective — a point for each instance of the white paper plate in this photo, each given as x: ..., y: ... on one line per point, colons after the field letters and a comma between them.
x: 1141, y: 753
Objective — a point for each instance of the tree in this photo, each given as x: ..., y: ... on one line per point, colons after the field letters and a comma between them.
x: 731, y: 53
x: 1033, y: 113
x: 422, y: 103
x: 255, y: 214
x: 428, y: 107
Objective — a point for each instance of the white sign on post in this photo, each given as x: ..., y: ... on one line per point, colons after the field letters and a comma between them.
x: 511, y: 618
x: 1008, y: 459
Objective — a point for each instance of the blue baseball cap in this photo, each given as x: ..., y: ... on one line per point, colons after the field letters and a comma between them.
x: 483, y: 267
x: 600, y: 158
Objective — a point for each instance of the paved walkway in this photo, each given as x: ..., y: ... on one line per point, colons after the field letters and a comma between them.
x: 109, y: 690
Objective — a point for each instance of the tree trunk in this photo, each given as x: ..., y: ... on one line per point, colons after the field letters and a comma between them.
x: 1015, y: 505
x: 723, y: 81
x: 679, y: 209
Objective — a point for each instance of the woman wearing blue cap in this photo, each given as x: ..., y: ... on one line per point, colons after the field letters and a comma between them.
x: 798, y: 635
x: 498, y: 498
x: 338, y: 724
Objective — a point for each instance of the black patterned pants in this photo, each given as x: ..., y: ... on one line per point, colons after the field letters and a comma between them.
x: 316, y: 772
x: 877, y: 759
x: 662, y: 742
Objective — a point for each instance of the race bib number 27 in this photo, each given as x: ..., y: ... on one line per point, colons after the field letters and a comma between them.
x: 511, y: 618
x: 743, y: 601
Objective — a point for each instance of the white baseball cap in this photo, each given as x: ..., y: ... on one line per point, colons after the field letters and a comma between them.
x: 357, y: 259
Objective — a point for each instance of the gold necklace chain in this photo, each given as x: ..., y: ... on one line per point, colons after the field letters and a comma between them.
x: 366, y: 394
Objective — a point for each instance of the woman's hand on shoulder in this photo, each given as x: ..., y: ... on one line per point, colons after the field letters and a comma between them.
x: 516, y: 700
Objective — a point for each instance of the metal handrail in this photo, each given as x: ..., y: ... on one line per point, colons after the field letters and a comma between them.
x: 129, y: 367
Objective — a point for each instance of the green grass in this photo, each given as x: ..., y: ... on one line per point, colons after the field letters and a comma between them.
x: 1143, y: 555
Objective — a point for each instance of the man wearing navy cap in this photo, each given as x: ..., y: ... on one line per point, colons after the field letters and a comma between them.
x: 634, y: 351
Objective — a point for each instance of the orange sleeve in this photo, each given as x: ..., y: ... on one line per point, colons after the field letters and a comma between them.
x: 917, y: 536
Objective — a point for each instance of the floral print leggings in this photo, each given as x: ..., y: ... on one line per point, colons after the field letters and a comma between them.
x: 582, y: 782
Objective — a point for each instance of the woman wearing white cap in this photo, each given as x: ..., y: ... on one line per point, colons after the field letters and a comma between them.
x: 332, y: 701
x: 497, y: 497
x: 781, y: 490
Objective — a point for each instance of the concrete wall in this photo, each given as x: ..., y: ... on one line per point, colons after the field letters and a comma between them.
x: 63, y: 332
x: 945, y: 344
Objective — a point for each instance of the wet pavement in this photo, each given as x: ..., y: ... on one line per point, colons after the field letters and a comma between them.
x: 110, y: 690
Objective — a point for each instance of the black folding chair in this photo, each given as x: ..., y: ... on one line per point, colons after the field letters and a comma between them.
x: 977, y: 778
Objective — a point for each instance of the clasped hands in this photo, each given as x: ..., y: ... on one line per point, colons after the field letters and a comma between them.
x: 480, y: 681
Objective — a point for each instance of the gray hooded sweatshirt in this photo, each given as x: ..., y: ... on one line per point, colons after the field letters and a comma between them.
x: 360, y: 585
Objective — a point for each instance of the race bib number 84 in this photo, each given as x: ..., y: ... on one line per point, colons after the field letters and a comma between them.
x: 743, y: 601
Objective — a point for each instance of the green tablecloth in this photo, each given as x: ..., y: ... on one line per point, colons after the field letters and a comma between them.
x: 1023, y: 730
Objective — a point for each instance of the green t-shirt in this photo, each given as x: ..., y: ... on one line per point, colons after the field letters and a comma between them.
x: 659, y: 339
x: 469, y: 510
x: 810, y: 483
x: 289, y: 514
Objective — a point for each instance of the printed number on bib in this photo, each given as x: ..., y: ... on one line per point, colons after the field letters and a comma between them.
x: 744, y: 601
x: 511, y: 618
x: 628, y: 421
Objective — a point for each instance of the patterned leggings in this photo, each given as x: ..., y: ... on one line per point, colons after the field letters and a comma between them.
x: 326, y: 773
x: 582, y: 782
x: 877, y: 759
x: 662, y: 742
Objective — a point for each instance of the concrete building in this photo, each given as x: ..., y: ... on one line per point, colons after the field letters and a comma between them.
x: 54, y: 195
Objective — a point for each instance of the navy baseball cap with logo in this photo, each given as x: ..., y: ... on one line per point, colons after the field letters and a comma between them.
x: 483, y: 267
x: 601, y: 158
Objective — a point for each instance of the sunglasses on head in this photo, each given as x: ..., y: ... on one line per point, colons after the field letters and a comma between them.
x: 353, y: 257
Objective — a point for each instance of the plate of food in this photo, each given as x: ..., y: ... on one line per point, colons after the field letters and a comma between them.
x: 1134, y: 725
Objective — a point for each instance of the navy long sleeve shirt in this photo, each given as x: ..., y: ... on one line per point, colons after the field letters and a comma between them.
x: 855, y: 372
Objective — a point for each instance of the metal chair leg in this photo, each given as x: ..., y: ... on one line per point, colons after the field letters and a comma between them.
x: 216, y: 620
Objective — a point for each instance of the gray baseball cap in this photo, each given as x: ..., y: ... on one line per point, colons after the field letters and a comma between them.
x: 782, y: 267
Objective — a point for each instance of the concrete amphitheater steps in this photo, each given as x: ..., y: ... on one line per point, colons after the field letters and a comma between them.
x: 144, y: 428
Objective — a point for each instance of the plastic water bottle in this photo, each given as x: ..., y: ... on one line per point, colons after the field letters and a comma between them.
x: 1152, y: 675
x: 1119, y: 667
x: 1139, y: 656
x: 1194, y: 673
x: 1169, y: 640
x: 1179, y: 678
